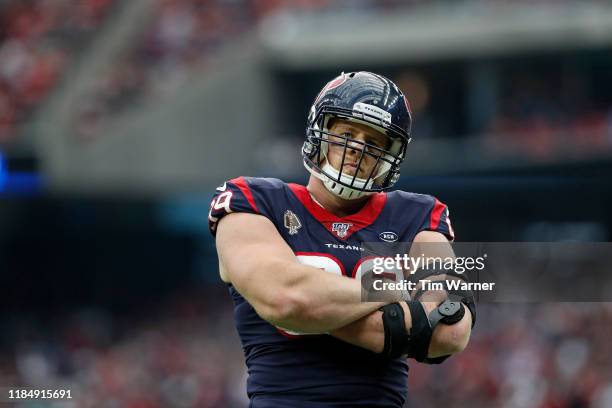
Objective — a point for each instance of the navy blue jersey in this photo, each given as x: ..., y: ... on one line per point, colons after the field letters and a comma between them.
x: 290, y: 370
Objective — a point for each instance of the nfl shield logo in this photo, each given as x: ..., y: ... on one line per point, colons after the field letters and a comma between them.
x: 341, y: 228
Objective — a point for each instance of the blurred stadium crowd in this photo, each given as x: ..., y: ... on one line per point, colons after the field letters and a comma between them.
x: 538, y: 355
x: 178, y: 42
x: 38, y: 40
x: 541, y: 115
x: 185, y: 34
x: 187, y: 354
x: 182, y: 353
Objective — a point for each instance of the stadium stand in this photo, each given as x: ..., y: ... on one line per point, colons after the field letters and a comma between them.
x: 38, y: 39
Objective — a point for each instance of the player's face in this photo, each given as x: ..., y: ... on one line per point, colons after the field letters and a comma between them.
x: 356, y: 132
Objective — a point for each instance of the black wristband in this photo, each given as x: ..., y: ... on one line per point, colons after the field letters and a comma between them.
x: 396, y: 338
x: 420, y: 332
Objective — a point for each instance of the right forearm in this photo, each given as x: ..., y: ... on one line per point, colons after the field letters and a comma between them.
x: 322, y: 301
x: 367, y: 332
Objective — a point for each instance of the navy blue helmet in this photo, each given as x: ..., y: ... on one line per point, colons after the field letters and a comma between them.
x: 364, y: 98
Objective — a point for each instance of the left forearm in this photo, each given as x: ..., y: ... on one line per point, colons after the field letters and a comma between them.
x: 368, y: 333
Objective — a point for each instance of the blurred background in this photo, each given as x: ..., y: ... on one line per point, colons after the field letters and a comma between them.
x: 118, y: 119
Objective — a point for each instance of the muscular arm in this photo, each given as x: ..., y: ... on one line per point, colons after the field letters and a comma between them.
x: 262, y: 267
x: 368, y: 331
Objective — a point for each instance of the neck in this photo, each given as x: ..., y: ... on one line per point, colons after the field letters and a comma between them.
x: 332, y: 203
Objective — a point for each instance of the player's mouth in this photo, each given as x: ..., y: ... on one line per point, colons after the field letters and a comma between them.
x: 351, y: 169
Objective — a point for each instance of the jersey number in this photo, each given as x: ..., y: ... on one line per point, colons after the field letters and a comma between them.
x: 329, y: 264
x: 221, y: 202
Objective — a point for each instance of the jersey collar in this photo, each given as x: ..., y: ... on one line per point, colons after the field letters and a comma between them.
x: 352, y: 223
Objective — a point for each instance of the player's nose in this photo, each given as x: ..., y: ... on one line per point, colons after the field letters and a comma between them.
x: 357, y: 142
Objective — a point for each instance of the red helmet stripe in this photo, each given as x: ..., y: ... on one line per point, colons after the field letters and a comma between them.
x: 407, y: 104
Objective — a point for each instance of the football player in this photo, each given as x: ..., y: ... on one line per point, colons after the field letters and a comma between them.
x: 291, y: 254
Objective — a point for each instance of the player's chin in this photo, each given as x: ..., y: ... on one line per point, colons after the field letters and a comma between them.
x: 349, y: 171
x: 362, y: 174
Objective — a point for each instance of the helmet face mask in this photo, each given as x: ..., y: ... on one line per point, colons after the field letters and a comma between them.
x: 366, y: 99
x: 384, y: 160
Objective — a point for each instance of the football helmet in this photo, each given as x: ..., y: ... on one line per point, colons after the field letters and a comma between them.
x: 364, y: 98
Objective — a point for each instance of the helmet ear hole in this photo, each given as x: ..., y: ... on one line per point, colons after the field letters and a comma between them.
x: 308, y: 148
x: 394, y: 177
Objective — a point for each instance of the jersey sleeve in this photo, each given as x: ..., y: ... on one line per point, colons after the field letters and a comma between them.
x: 438, y: 220
x: 233, y: 196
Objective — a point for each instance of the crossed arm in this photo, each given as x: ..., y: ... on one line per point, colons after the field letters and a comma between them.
x: 262, y: 267
x: 368, y: 331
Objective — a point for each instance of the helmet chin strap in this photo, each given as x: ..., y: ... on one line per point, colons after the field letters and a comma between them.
x: 346, y: 193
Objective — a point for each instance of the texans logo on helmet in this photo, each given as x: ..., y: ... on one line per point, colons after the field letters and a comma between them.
x: 334, y: 83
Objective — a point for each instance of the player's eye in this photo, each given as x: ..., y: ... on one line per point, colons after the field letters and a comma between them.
x: 377, y: 144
